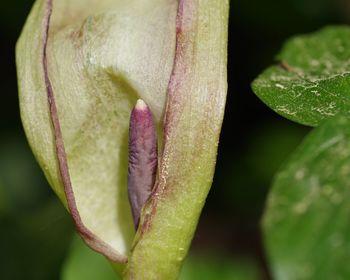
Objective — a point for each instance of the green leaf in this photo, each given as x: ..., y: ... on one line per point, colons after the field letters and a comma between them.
x: 306, y: 223
x: 312, y: 79
x: 83, y: 263
x: 77, y: 85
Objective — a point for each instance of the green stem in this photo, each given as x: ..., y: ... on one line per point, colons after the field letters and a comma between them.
x: 195, y: 106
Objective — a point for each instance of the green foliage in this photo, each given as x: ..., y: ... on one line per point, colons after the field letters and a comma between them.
x: 311, y: 80
x: 306, y: 228
x: 306, y: 223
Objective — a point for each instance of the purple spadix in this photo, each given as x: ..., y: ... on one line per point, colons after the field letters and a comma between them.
x: 142, y: 158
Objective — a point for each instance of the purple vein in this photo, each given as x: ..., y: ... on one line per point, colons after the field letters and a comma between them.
x: 91, y: 239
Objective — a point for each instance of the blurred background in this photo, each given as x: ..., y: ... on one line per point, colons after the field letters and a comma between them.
x: 37, y: 239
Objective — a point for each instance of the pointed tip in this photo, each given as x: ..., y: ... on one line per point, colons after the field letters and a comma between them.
x: 142, y: 166
x: 141, y: 105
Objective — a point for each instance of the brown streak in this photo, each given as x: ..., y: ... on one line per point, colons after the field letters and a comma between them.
x: 183, y: 26
x: 90, y: 239
x: 285, y: 66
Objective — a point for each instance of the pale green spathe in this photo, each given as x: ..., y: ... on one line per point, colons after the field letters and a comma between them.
x: 101, y: 58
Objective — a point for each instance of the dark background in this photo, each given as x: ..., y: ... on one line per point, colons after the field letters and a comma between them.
x: 35, y: 230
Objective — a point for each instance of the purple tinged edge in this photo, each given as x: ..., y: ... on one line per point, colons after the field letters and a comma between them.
x: 175, y: 101
x: 90, y: 238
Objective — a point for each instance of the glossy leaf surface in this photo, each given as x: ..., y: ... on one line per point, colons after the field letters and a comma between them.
x: 311, y: 80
